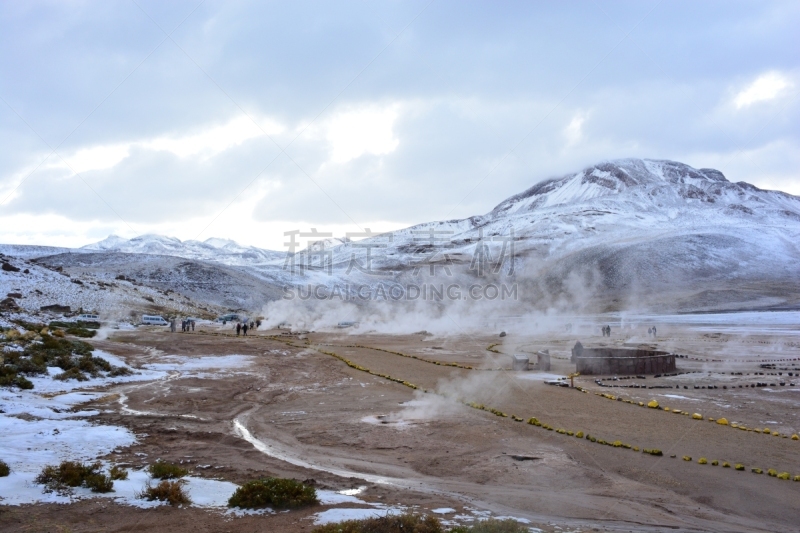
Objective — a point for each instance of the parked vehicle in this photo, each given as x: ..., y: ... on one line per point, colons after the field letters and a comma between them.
x: 154, y: 320
x: 87, y: 316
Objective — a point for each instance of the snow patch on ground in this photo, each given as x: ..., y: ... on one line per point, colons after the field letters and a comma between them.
x: 327, y: 497
x: 679, y: 397
x: 340, y: 515
x: 539, y: 376
x: 45, y: 426
x: 178, y: 363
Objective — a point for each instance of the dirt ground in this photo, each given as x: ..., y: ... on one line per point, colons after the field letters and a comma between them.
x: 316, y: 418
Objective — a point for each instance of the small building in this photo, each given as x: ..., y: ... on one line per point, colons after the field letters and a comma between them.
x: 543, y: 360
x: 608, y: 361
x: 577, y: 351
x: 519, y: 362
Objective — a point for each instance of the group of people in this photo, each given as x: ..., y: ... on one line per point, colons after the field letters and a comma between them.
x: 186, y: 325
x: 606, y: 330
x: 242, y: 328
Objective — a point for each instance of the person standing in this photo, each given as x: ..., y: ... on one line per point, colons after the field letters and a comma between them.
x: 238, y: 328
x: 244, y: 329
x: 192, y: 325
x: 173, y: 325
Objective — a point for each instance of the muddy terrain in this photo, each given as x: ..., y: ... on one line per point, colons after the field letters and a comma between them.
x: 442, y: 423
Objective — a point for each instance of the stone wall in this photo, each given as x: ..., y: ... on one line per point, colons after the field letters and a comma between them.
x: 595, y: 361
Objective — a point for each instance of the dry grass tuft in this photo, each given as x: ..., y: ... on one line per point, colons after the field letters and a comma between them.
x: 273, y: 492
x: 167, y: 491
x: 70, y: 474
x: 118, y: 473
x: 164, y: 470
x: 406, y: 523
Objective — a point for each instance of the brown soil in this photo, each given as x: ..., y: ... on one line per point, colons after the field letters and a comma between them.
x: 344, y: 428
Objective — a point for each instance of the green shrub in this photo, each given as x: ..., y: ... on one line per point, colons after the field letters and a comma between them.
x: 164, y: 470
x: 9, y: 377
x: 72, y: 373
x: 23, y: 383
x: 86, y: 324
x: 81, y: 332
x: 405, y: 523
x: 73, y: 357
x: 119, y: 371
x: 118, y: 473
x: 166, y: 491
x: 493, y: 525
x: 4, y: 469
x: 29, y: 326
x: 71, y: 474
x: 273, y: 492
x: 99, y: 483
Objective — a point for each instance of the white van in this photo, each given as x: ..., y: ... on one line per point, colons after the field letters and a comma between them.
x: 88, y: 317
x: 153, y: 320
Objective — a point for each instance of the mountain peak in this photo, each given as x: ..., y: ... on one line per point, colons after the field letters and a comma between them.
x: 109, y: 243
x: 639, y: 180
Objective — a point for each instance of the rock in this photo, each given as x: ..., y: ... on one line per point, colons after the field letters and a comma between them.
x: 8, y: 305
x: 55, y: 308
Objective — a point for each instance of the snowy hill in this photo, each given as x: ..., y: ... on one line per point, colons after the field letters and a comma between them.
x: 223, y: 251
x: 618, y: 234
x: 651, y: 185
x: 625, y: 234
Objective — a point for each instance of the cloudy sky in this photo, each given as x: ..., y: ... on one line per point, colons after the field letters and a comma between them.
x: 244, y: 120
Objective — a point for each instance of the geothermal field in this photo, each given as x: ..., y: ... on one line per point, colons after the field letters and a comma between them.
x: 602, y: 352
x: 438, y: 424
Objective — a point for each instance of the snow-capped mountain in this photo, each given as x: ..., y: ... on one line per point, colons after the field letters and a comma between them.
x: 651, y: 185
x: 223, y: 251
x: 621, y: 234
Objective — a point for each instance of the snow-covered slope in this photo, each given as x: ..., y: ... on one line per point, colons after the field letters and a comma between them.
x: 620, y: 234
x: 40, y: 284
x: 652, y: 186
x: 218, y: 250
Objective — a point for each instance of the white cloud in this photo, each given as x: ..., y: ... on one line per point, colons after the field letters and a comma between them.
x: 214, y: 140
x: 772, y: 165
x: 208, y: 142
x: 98, y: 157
x: 574, y: 130
x: 363, y: 131
x: 766, y: 87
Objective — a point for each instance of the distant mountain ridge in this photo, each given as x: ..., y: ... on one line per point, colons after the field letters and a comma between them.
x: 630, y: 232
x: 661, y: 184
x: 218, y: 250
